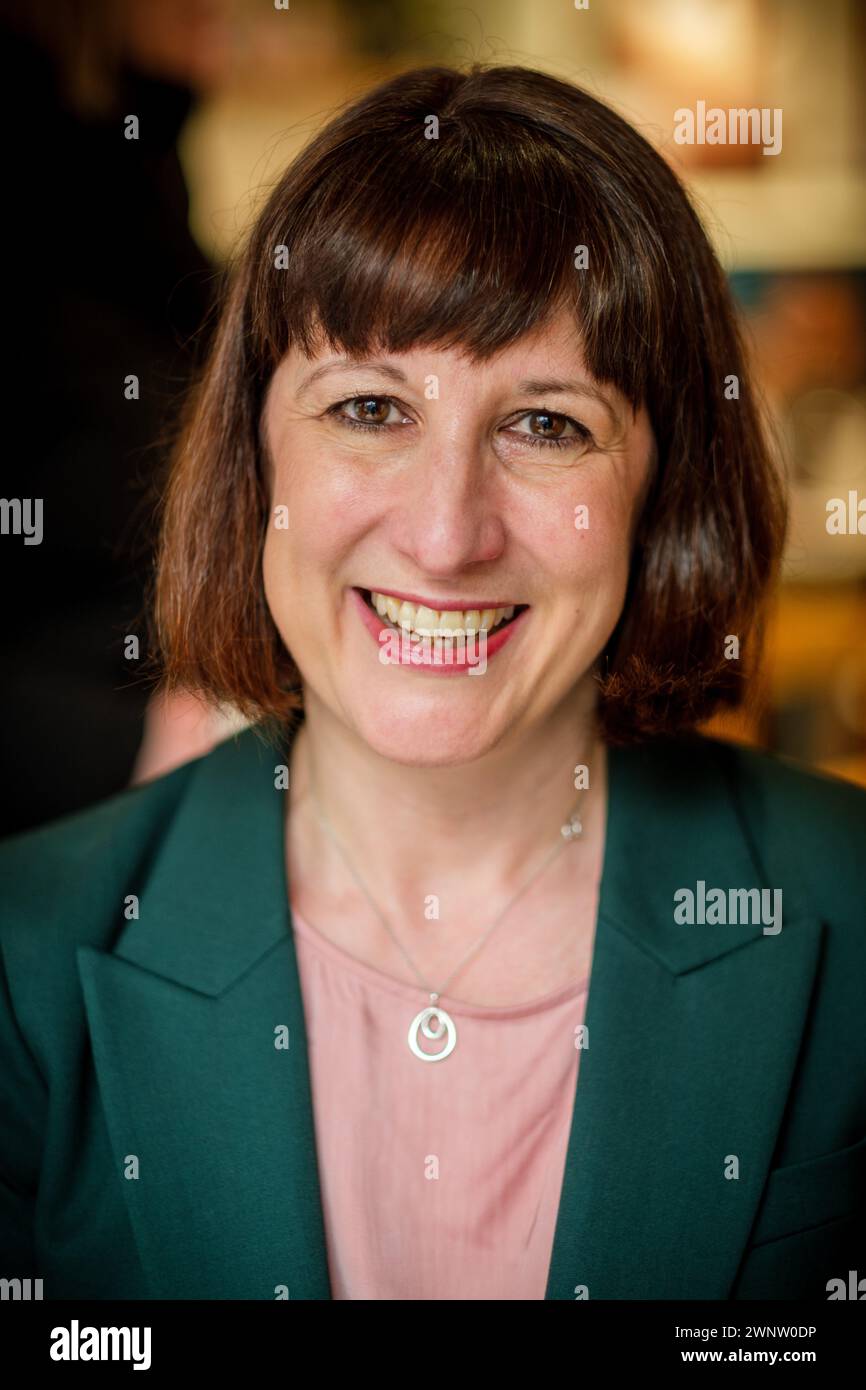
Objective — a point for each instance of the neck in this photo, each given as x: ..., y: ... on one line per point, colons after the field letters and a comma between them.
x: 405, y: 828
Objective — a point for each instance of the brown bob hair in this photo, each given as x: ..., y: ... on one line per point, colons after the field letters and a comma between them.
x: 399, y: 234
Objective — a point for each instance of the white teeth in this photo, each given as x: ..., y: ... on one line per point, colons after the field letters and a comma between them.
x: 428, y: 621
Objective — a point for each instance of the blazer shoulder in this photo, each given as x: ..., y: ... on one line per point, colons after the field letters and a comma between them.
x: 65, y: 877
x: 792, y: 792
x: 62, y: 886
x: 805, y: 823
x: 788, y: 789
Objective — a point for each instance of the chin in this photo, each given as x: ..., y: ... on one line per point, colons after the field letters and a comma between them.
x: 418, y: 729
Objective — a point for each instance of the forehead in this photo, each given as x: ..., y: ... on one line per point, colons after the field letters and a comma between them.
x: 550, y: 353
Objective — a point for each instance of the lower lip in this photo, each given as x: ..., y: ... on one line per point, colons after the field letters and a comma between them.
x: 374, y: 625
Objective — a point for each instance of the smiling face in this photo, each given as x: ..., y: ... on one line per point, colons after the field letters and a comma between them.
x: 447, y: 492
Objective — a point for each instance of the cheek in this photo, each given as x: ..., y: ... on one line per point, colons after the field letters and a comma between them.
x: 312, y: 525
x: 293, y: 567
x: 584, y: 546
x: 601, y: 547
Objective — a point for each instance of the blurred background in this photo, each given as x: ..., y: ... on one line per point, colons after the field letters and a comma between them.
x: 123, y: 241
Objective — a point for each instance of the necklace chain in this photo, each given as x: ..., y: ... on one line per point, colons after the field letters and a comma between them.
x: 570, y: 830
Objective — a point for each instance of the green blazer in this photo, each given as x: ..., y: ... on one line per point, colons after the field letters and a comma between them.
x: 154, y: 1038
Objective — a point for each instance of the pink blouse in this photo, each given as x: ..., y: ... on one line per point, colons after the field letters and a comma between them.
x: 439, y: 1180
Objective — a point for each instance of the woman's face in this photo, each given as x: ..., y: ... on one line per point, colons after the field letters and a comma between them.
x: 448, y: 487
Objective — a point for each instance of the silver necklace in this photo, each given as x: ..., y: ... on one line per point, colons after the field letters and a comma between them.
x: 434, y: 1022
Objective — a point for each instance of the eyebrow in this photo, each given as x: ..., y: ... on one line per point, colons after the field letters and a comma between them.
x: 537, y: 387
x: 344, y: 364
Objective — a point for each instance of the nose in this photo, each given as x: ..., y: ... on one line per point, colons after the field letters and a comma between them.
x: 449, y: 515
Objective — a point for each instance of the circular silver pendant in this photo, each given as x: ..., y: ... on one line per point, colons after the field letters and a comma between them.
x: 444, y: 1026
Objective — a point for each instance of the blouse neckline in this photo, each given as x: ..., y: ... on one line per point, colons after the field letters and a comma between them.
x: 415, y: 992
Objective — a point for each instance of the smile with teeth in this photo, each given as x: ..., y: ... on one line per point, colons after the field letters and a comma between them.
x: 428, y: 622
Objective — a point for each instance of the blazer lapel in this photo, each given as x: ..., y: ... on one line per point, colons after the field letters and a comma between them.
x: 693, y: 1038
x: 183, y: 1019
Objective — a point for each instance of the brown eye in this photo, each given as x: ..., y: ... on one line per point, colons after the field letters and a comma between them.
x: 377, y: 414
x: 546, y: 425
x: 372, y: 410
x: 549, y: 427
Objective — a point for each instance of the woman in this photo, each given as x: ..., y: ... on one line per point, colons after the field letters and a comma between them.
x: 472, y: 517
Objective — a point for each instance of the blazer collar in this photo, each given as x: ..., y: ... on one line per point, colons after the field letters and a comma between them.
x: 693, y: 1035
x: 217, y: 896
x: 674, y: 818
